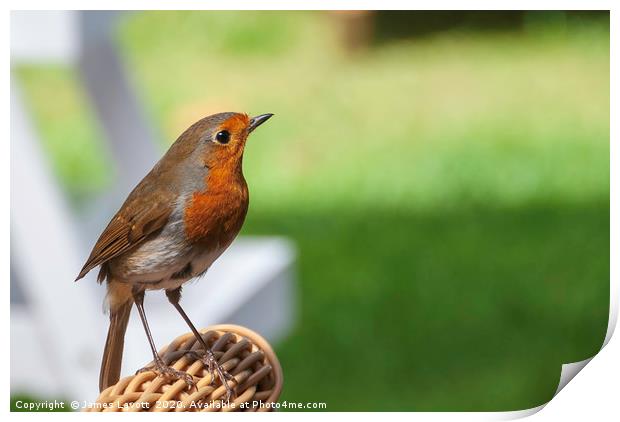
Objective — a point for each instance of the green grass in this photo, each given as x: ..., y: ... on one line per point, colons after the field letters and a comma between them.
x: 449, y: 195
x: 458, y: 310
x: 70, y: 134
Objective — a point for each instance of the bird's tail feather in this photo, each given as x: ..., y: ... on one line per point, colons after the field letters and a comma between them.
x: 113, y: 352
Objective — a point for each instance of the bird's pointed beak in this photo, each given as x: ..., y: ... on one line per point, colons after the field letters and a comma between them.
x: 258, y: 120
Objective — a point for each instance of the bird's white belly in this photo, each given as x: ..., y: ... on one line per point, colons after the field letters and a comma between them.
x: 165, y: 261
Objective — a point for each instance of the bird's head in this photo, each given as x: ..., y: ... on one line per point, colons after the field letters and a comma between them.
x: 226, y: 133
x: 216, y: 141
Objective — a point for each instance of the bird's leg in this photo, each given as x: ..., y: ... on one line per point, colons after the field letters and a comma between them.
x: 209, y: 358
x: 158, y: 366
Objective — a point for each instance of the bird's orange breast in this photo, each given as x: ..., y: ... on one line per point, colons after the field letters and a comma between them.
x: 214, y: 217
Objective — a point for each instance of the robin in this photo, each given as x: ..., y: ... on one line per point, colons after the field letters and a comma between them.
x: 174, y: 224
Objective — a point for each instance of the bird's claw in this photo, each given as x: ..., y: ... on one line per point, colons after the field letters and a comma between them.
x: 169, y: 372
x: 209, y: 360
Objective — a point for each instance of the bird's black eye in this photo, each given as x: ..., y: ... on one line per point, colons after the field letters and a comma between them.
x: 223, y: 137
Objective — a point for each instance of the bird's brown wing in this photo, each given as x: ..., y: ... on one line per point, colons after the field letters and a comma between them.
x: 137, y: 218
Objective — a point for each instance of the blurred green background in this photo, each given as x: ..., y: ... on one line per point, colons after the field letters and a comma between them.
x: 447, y: 188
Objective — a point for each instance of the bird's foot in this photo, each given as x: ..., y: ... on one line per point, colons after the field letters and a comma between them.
x: 164, y: 371
x: 213, y: 366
